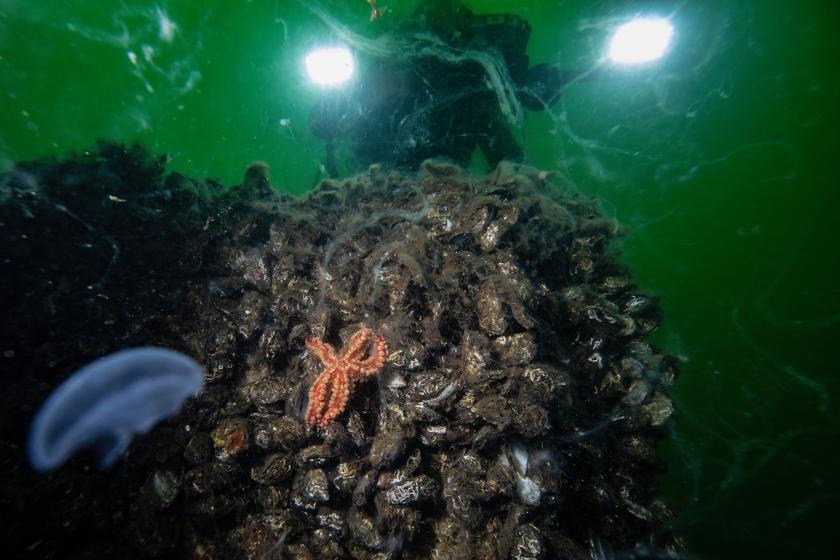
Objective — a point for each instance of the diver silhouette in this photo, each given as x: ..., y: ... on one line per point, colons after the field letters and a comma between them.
x: 438, y: 100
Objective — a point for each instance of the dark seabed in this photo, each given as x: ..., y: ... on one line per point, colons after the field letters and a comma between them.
x: 582, y: 306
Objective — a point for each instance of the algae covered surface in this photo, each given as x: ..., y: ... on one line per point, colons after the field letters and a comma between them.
x: 517, y: 416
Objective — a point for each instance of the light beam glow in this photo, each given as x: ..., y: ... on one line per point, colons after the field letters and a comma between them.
x: 329, y: 66
x: 640, y: 40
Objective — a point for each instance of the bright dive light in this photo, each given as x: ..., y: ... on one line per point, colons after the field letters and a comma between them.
x: 329, y: 66
x: 640, y: 40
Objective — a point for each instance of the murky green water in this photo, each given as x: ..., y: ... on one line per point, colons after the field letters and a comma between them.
x: 720, y: 158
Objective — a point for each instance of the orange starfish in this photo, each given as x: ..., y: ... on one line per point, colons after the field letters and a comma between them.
x: 330, y: 393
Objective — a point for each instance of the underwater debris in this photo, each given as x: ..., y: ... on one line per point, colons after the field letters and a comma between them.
x: 375, y: 13
x: 493, y: 433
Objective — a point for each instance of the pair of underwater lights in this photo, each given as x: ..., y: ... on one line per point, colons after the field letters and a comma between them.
x: 639, y: 40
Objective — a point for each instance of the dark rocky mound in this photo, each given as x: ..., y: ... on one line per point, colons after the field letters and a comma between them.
x: 518, y: 416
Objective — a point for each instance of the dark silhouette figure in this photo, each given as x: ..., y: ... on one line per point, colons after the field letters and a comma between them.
x: 410, y: 108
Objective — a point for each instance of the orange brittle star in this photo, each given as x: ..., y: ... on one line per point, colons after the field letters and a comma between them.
x: 331, y: 391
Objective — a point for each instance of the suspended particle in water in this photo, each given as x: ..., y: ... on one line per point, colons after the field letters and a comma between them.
x: 166, y: 27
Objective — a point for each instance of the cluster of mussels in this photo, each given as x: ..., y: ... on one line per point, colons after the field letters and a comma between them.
x: 517, y: 416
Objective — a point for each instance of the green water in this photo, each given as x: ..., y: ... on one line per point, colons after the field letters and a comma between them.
x: 720, y: 158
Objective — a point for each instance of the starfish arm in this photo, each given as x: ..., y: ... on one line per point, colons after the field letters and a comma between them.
x: 342, y: 385
x: 377, y: 358
x: 324, y: 351
x: 331, y: 391
x: 318, y: 396
x: 357, y: 345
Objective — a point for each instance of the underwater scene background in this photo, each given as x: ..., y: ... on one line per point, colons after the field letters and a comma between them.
x: 719, y: 159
